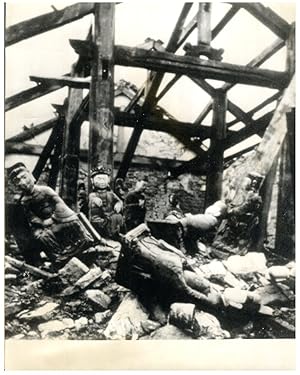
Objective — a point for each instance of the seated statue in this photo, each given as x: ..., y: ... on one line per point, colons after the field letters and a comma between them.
x: 104, y: 205
x: 54, y: 225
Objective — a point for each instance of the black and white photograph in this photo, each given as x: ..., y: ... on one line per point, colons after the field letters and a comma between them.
x: 149, y: 174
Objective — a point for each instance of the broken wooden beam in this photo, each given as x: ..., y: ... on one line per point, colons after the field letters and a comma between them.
x: 33, y: 131
x: 46, y: 22
x: 26, y: 96
x: 74, y: 82
x: 101, y: 110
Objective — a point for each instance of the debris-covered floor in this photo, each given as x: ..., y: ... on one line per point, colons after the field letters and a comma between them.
x: 86, y: 303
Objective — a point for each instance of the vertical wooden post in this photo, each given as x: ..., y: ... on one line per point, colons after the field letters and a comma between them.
x: 71, y: 150
x: 204, y: 23
x: 285, y: 226
x: 214, y: 176
x: 101, y: 114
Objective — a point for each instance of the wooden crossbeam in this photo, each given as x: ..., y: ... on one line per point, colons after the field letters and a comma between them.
x: 138, y: 160
x: 268, y: 17
x: 46, y: 22
x: 30, y: 133
x: 168, y: 62
x: 159, y: 124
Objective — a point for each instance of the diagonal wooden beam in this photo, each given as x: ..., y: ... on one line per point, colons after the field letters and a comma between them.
x: 268, y: 17
x: 30, y: 133
x: 28, y: 95
x: 258, y: 107
x: 46, y: 22
x: 47, y: 150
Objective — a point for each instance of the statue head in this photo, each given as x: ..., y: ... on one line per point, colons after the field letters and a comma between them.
x: 21, y: 177
x: 100, y: 177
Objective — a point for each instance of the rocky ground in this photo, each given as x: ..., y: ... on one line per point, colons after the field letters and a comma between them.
x: 84, y: 302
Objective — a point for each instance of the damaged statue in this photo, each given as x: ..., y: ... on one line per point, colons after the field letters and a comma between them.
x: 104, y: 205
x: 54, y: 225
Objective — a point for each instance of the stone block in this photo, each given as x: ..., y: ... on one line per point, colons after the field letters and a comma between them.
x: 73, y: 271
x: 98, y: 298
x: 90, y: 277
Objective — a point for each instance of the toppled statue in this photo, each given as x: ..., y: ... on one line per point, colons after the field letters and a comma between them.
x: 105, y: 206
x: 54, y: 225
x: 189, y: 228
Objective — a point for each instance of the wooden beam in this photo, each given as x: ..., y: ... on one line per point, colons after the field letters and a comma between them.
x: 101, y: 109
x: 156, y: 163
x: 55, y: 159
x: 204, y: 113
x: 46, y: 22
x: 214, y: 177
x: 74, y: 117
x: 159, y: 124
x: 47, y: 150
x: 225, y: 20
x: 74, y: 82
x: 258, y: 126
x: 168, y: 62
x: 33, y: 131
x: 269, y: 18
x: 26, y: 96
x: 257, y: 108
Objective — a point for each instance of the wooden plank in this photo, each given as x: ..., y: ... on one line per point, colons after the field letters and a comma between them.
x: 204, y: 113
x: 74, y: 82
x: 269, y: 18
x: 33, y: 131
x: 101, y: 109
x: 46, y: 22
x: 214, y: 177
x: 168, y: 62
x: 23, y: 148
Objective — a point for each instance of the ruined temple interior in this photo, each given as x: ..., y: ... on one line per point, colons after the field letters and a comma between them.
x: 196, y: 106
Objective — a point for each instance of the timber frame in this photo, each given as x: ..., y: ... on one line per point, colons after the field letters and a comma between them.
x: 94, y: 70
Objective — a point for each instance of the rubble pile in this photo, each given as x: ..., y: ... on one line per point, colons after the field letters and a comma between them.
x: 85, y: 302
